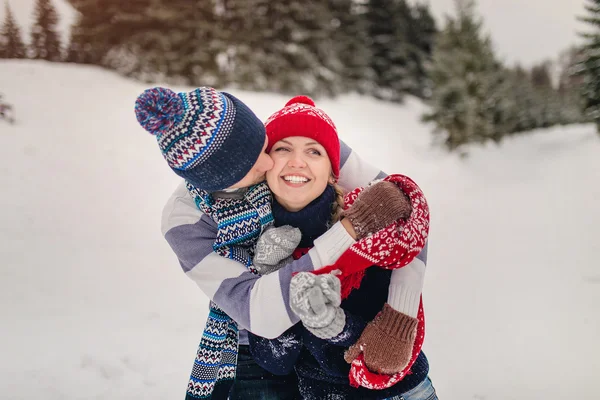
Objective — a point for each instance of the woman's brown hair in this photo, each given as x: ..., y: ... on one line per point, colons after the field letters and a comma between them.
x: 338, y: 204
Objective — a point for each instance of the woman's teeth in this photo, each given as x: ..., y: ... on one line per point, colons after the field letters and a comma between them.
x: 295, y: 179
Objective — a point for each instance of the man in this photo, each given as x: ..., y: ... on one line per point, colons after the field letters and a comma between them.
x: 217, y: 145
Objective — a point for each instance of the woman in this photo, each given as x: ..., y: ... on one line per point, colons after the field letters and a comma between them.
x: 303, y: 184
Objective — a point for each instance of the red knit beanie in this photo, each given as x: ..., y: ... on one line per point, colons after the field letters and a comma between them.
x: 300, y: 117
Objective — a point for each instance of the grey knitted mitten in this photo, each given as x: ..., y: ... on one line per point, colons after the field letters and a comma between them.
x: 274, y: 248
x: 316, y: 300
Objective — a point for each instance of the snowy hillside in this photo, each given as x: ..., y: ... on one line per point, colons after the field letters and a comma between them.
x: 94, y: 304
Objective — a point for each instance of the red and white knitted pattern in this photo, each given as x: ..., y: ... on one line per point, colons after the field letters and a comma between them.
x: 392, y: 247
x: 302, y: 108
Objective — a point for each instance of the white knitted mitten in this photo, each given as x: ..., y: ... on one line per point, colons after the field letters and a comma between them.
x: 274, y: 248
x: 316, y: 300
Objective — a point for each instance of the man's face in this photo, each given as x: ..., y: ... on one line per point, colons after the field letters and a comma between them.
x: 257, y: 173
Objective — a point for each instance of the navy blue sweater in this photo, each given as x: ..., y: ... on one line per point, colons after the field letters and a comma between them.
x: 320, y: 363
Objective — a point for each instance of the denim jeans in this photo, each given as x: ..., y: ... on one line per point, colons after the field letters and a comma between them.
x: 254, y: 382
x: 424, y: 391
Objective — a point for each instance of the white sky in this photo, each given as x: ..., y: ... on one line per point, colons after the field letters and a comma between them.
x: 527, y: 31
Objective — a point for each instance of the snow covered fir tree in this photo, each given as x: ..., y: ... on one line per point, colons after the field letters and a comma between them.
x: 45, y: 40
x: 351, y: 41
x: 11, y: 41
x: 401, y: 41
x: 467, y: 79
x: 291, y: 44
x: 475, y: 98
x: 590, y: 64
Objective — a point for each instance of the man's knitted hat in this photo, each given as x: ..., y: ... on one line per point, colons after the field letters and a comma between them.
x: 209, y: 138
x: 300, y: 117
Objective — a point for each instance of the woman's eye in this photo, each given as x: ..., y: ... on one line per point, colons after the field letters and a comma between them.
x: 282, y: 149
x: 314, y: 152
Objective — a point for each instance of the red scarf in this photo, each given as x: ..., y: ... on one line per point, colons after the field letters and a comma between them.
x: 392, y: 247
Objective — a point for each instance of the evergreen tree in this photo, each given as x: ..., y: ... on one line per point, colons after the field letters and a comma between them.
x: 241, y: 25
x: 350, y: 37
x: 421, y: 35
x: 466, y: 100
x: 45, y: 42
x: 78, y: 51
x: 590, y: 66
x: 295, y: 51
x: 520, y: 99
x: 150, y: 40
x: 401, y: 44
x: 534, y: 102
x: 547, y: 107
x: 540, y: 75
x: 387, y: 27
x: 11, y: 42
x: 95, y: 31
x: 570, y: 85
x: 178, y: 40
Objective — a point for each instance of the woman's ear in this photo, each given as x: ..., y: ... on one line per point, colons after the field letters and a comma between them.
x: 332, y: 180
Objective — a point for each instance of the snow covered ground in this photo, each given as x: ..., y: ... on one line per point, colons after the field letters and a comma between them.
x: 94, y: 304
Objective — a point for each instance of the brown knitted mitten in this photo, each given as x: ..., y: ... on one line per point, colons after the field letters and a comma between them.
x: 376, y: 207
x: 387, y: 342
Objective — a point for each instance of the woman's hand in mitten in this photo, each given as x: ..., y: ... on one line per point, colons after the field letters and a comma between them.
x: 316, y: 300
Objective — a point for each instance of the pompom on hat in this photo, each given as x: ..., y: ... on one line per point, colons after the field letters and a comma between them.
x: 300, y: 117
x: 210, y: 138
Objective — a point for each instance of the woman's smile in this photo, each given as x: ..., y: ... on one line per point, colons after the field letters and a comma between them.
x: 295, y: 180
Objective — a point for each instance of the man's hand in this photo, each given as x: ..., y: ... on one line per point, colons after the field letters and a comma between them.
x: 376, y: 207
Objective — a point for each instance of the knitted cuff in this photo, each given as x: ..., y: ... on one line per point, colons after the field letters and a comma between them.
x: 404, y: 299
x: 361, y: 218
x: 396, y: 324
x: 330, y: 246
x: 266, y: 269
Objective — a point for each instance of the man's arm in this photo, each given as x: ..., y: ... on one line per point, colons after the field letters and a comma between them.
x: 354, y: 171
x: 406, y: 285
x: 257, y: 303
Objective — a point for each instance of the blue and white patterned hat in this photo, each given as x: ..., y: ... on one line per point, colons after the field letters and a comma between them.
x: 209, y: 138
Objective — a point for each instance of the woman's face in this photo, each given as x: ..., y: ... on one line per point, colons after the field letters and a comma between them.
x: 301, y: 171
